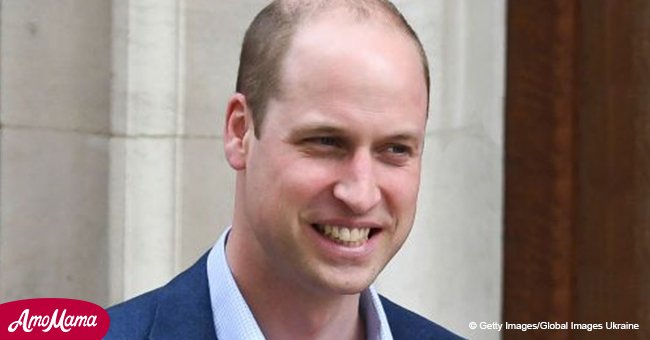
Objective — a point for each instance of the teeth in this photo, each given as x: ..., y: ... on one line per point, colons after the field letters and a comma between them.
x: 355, y: 234
x: 344, y: 234
x: 352, y: 237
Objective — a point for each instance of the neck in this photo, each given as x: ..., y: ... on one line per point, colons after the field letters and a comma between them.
x: 285, y: 310
x: 282, y: 318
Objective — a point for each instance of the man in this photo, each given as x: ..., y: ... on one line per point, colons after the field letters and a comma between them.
x: 326, y: 132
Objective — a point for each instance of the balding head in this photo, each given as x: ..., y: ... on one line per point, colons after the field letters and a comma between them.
x: 269, y: 37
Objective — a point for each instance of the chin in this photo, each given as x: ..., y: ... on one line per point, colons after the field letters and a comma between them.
x: 348, y: 287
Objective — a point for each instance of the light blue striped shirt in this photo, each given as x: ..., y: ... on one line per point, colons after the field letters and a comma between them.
x: 233, y: 320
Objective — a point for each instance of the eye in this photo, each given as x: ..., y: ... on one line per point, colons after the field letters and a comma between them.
x: 327, y: 141
x: 324, y: 146
x: 399, y: 149
x: 330, y: 141
x: 397, y: 154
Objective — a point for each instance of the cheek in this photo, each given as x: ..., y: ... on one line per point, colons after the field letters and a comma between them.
x: 400, y: 189
x: 304, y: 179
x: 288, y: 178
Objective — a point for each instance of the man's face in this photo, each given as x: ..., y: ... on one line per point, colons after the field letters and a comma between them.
x: 330, y: 185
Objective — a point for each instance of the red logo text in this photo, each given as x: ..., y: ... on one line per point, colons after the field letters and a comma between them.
x: 52, y: 318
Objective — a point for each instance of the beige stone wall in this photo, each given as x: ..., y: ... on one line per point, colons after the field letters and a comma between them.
x: 112, y: 176
x: 54, y: 153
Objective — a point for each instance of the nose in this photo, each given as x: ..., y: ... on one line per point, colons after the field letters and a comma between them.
x: 357, y: 186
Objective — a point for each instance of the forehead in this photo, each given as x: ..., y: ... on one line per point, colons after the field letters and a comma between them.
x: 336, y: 50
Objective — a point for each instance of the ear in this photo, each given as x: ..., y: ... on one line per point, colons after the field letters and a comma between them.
x: 237, y: 131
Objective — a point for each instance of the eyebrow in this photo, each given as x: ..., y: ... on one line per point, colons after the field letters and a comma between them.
x: 314, y: 130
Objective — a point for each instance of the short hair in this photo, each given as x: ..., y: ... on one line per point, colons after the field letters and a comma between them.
x: 269, y: 36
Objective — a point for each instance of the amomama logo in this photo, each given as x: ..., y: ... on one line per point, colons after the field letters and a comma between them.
x: 52, y: 318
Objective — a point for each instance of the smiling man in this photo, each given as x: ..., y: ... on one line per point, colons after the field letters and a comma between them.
x: 325, y: 132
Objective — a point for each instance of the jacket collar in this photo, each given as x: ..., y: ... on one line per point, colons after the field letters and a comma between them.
x: 184, y: 310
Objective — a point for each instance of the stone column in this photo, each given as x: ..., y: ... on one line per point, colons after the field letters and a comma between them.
x: 147, y: 126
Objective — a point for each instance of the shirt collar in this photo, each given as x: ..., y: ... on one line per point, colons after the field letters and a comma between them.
x: 233, y: 318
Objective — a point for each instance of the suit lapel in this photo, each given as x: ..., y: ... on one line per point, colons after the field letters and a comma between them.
x: 184, y: 310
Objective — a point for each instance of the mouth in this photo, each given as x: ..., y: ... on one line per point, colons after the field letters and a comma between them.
x: 349, y: 237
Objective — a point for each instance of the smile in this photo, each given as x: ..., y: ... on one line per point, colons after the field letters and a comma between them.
x: 351, y: 237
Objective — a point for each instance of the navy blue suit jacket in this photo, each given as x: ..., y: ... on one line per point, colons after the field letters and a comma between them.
x: 181, y: 310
